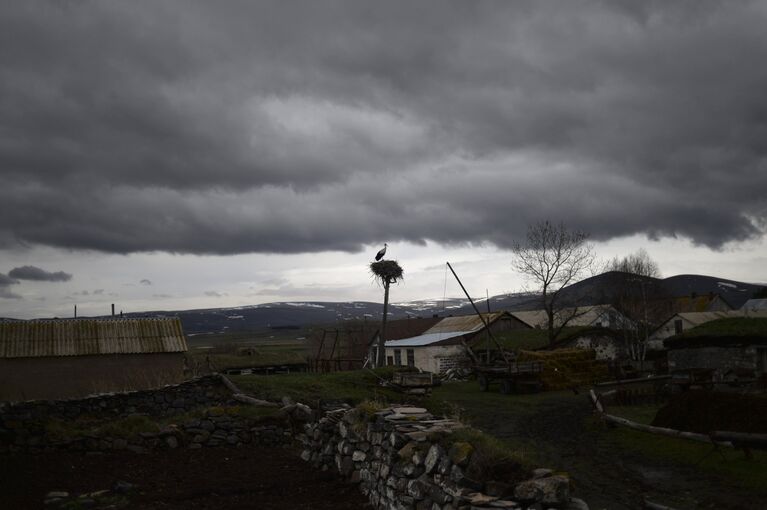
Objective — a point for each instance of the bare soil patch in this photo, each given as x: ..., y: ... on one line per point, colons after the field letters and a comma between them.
x: 209, y: 478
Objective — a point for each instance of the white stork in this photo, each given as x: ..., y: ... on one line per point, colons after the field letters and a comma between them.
x: 381, y: 253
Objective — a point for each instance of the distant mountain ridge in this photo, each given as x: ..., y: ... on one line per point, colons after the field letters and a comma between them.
x: 591, y: 291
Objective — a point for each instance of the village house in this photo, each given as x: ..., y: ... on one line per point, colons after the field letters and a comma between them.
x: 73, y: 358
x: 730, y: 348
x: 440, y: 347
x: 681, y: 322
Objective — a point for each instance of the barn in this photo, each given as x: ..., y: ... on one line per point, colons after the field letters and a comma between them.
x: 73, y: 358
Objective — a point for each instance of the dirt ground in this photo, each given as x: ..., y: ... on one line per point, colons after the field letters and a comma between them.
x: 561, y: 431
x: 208, y: 478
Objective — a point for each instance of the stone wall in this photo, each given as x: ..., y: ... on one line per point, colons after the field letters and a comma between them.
x: 27, y: 427
x: 401, y: 461
x: 722, y: 359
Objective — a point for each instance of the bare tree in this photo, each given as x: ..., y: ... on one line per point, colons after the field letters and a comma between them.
x: 638, y: 263
x: 638, y: 297
x: 552, y: 257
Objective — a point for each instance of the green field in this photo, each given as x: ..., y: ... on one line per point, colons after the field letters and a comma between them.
x: 249, y: 349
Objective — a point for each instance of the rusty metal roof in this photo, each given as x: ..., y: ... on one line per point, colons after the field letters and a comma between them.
x: 463, y: 324
x: 82, y: 337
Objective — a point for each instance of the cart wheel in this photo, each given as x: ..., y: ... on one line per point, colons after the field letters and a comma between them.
x: 507, y: 386
x: 483, y: 383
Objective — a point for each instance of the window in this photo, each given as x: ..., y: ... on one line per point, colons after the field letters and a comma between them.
x: 389, y: 360
x: 678, y: 326
x: 397, y: 357
x: 410, y: 358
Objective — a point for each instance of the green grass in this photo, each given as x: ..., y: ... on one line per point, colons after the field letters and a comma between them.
x: 734, y: 467
x: 354, y: 386
x: 738, y: 326
x: 644, y: 414
x: 243, y: 350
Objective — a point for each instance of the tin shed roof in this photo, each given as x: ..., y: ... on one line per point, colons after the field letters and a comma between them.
x: 463, y: 324
x: 426, y: 339
x: 81, y: 337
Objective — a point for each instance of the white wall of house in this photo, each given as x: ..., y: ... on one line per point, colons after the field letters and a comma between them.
x: 431, y: 358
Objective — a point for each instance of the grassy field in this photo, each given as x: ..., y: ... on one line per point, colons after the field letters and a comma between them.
x: 611, y: 467
x: 354, y: 386
x: 249, y: 349
x: 727, y: 462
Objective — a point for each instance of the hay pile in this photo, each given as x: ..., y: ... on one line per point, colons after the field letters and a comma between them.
x: 566, y: 368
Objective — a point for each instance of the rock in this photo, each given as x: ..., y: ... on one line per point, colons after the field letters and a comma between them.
x: 306, y: 455
x: 542, y: 473
x: 577, y: 504
x: 498, y: 489
x: 406, y: 452
x: 57, y: 494
x: 503, y: 504
x: 409, y: 410
x: 432, y: 458
x: 359, y: 456
x: 552, y: 490
x: 122, y: 487
x: 171, y: 441
x: 460, y: 453
x: 119, y: 444
x: 479, y: 499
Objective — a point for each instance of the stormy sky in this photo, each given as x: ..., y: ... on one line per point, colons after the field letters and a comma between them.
x: 240, y: 152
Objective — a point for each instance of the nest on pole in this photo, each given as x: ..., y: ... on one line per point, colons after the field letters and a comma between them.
x: 386, y: 271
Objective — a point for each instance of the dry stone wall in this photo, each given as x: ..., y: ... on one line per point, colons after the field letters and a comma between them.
x: 26, y: 427
x: 400, y: 461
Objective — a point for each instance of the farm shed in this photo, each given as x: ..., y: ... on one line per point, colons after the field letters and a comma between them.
x: 73, y: 358
x: 726, y: 346
x: 608, y: 344
x: 439, y: 348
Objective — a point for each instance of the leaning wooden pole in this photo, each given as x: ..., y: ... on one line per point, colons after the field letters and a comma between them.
x: 382, y: 338
x: 484, y: 322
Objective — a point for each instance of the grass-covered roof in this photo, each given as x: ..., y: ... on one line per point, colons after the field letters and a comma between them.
x: 735, y: 331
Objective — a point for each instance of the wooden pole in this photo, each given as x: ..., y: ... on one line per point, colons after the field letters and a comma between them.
x: 382, y: 338
x: 484, y: 322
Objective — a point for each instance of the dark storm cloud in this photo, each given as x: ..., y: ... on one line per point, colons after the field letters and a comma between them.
x: 5, y: 283
x: 40, y: 275
x: 278, y: 127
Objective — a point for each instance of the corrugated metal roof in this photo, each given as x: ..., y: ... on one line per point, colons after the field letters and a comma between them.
x: 698, y: 318
x: 426, y: 339
x: 462, y: 324
x: 81, y: 337
x: 584, y: 316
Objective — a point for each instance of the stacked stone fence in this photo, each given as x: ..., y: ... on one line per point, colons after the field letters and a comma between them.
x: 401, y: 462
x: 26, y: 426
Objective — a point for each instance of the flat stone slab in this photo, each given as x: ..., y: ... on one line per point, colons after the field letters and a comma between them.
x: 409, y: 410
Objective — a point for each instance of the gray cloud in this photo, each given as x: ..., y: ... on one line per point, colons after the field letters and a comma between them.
x: 276, y: 127
x: 5, y: 292
x: 37, y: 274
x: 215, y: 294
x: 145, y: 282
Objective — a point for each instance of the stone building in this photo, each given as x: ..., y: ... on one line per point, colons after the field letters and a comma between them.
x: 728, y: 347
x: 73, y: 358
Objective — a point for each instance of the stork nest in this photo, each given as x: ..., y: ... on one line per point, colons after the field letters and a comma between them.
x: 386, y: 271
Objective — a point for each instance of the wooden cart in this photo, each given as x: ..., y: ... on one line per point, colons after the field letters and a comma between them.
x: 514, y: 377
